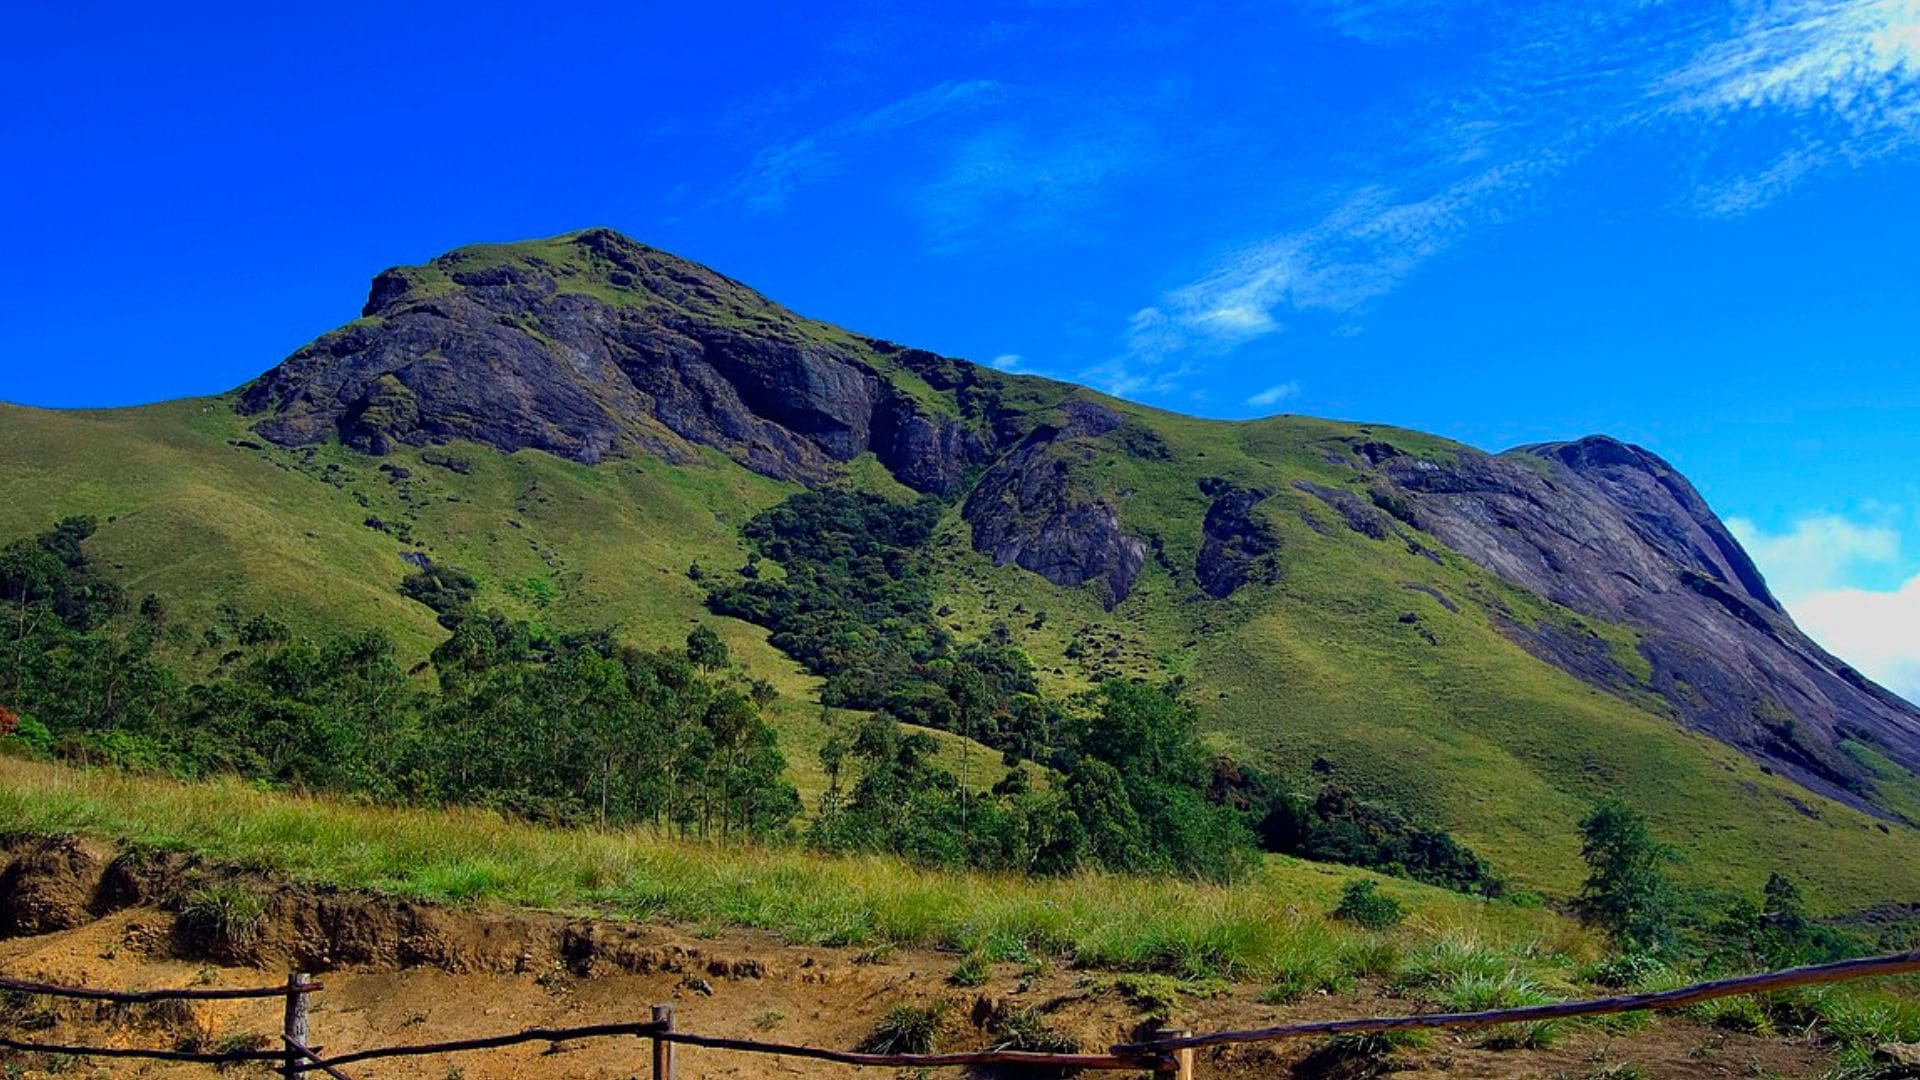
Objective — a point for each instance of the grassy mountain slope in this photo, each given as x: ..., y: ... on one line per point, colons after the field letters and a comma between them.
x: 652, y: 407
x: 1469, y: 730
x: 189, y: 515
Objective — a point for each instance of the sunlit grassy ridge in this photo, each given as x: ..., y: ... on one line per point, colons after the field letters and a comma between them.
x: 1271, y: 924
x: 1463, y: 730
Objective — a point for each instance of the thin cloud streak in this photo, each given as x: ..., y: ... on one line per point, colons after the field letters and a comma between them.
x: 1557, y: 89
x: 781, y: 169
x: 1856, y: 58
x: 1274, y: 395
x: 1013, y: 179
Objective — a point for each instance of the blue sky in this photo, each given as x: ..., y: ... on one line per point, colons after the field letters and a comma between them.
x: 1689, y: 225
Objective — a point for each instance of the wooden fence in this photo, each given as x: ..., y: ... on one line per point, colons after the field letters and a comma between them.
x: 1170, y: 1052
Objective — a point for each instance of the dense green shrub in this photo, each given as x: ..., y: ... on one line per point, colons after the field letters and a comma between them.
x: 448, y: 590
x: 1774, y: 931
x: 1337, y: 826
x: 1362, y: 903
x: 1626, y: 893
x: 906, y: 1028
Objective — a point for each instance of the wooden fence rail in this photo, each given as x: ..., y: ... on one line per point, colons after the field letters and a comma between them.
x: 139, y: 997
x: 1171, y: 1052
x: 1906, y: 963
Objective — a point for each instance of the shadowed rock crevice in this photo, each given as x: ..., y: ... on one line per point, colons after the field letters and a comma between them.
x: 1036, y: 509
x: 1236, y: 545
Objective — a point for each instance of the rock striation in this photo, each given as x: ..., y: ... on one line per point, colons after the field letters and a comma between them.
x: 600, y: 347
x: 1612, y: 531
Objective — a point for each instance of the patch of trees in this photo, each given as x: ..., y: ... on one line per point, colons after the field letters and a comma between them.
x: 571, y: 728
x: 1130, y: 796
x: 1335, y: 825
x: 1629, y: 895
x: 854, y: 604
x: 448, y: 590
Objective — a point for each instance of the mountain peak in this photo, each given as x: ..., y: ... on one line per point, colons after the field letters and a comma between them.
x: 592, y: 344
x: 596, y: 261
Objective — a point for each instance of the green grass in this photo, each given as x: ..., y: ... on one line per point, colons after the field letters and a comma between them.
x: 1899, y: 790
x: 907, y: 1028
x: 1467, y: 732
x: 1258, y: 929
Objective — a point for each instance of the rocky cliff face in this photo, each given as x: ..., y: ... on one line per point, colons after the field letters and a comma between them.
x: 593, y: 346
x: 1612, y: 531
x: 1035, y: 509
x: 599, y: 347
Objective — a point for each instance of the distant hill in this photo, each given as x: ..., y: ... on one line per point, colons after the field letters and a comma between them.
x: 1488, y: 642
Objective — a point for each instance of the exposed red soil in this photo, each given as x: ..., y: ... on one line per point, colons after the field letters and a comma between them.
x: 398, y: 972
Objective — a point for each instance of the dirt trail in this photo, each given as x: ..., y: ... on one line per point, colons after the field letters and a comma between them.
x: 400, y: 972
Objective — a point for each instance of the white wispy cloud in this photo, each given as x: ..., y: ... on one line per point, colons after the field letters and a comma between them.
x: 1557, y: 83
x: 1275, y: 394
x: 1817, y: 553
x: 1810, y: 565
x: 1020, y: 176
x: 782, y: 168
x: 1877, y: 632
x: 1353, y: 255
x: 1006, y: 361
x: 1855, y: 58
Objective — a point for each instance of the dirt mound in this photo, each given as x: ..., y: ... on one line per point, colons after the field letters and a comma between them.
x: 47, y: 886
x: 244, y: 918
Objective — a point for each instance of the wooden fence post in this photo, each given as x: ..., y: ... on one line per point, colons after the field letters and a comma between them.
x: 1183, y: 1057
x: 294, y: 1032
x: 662, y: 1049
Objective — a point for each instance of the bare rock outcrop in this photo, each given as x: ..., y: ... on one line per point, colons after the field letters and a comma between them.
x: 1236, y: 545
x: 606, y: 347
x: 1036, y: 509
x: 1611, y: 530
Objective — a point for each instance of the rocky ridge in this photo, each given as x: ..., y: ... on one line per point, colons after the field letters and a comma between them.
x: 592, y: 346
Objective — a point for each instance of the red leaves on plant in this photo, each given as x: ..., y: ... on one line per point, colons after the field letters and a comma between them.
x: 8, y: 721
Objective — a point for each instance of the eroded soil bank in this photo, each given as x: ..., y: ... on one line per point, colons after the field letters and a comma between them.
x: 80, y: 912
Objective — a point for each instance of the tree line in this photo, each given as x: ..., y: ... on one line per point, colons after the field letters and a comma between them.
x: 571, y: 728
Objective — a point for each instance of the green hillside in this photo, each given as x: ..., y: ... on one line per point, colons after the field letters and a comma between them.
x: 1498, y: 746
x: 1386, y: 661
x: 190, y: 516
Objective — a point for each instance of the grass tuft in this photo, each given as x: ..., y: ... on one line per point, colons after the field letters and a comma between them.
x: 225, y: 914
x: 906, y: 1028
x: 973, y: 970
